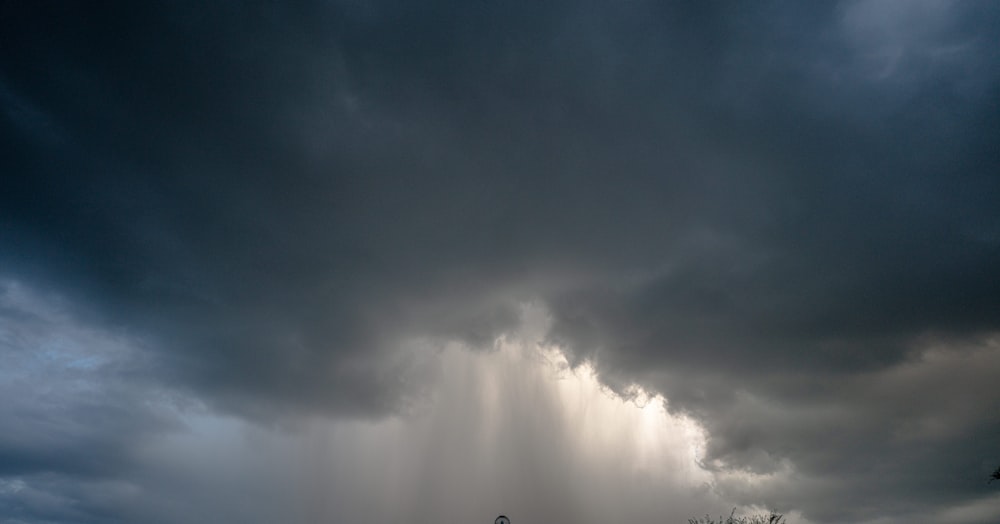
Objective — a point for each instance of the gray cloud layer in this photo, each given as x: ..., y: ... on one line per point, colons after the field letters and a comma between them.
x: 783, y: 217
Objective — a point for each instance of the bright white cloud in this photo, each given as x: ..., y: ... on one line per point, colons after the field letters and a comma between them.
x: 514, y: 430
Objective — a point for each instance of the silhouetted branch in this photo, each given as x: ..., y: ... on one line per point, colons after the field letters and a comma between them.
x: 763, y: 518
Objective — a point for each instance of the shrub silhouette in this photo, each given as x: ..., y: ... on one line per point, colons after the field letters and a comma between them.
x: 761, y: 518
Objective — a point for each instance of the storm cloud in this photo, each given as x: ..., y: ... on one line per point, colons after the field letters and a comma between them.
x: 309, y: 222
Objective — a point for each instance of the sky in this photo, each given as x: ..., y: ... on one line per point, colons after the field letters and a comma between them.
x: 371, y: 261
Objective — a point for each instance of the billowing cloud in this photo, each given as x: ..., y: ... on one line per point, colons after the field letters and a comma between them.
x: 780, y: 218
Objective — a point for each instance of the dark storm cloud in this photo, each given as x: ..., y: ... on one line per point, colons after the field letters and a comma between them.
x: 712, y: 200
x: 311, y: 184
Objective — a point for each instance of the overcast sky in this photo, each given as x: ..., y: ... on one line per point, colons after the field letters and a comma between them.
x: 572, y: 261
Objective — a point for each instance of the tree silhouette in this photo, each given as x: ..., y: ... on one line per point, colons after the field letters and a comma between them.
x: 762, y: 518
x: 995, y: 475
